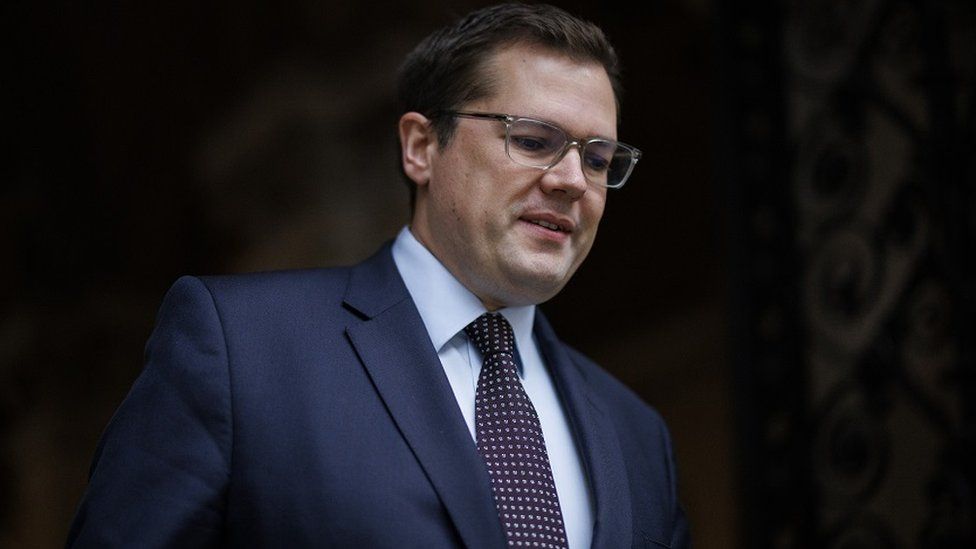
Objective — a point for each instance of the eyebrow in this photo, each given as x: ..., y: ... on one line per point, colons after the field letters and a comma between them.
x: 563, y: 128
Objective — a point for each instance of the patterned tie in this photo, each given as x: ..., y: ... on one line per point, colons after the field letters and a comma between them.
x: 509, y: 438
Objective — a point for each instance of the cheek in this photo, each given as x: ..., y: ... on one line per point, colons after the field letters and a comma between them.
x: 593, y: 210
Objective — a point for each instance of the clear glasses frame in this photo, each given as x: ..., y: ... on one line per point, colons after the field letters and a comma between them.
x: 593, y: 166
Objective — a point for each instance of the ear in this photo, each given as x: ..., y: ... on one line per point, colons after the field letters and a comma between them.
x: 418, y: 143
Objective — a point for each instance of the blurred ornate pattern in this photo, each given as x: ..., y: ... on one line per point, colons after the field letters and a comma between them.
x: 856, y: 362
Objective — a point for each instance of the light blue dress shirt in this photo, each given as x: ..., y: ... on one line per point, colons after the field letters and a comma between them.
x: 446, y: 307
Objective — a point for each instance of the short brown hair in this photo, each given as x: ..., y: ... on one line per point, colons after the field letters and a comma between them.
x: 445, y: 71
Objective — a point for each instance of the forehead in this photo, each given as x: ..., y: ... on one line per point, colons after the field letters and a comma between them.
x: 530, y: 80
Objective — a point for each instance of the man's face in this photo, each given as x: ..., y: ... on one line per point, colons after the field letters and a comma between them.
x: 479, y: 212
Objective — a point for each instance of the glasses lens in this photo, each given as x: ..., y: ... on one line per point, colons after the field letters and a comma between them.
x: 534, y: 143
x: 607, y: 163
x: 598, y: 157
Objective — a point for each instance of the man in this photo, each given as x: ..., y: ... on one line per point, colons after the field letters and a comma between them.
x: 417, y: 399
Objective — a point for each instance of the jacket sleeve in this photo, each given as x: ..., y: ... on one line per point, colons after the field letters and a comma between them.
x: 161, y: 469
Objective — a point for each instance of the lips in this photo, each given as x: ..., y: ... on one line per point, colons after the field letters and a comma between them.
x: 546, y: 224
x: 551, y: 221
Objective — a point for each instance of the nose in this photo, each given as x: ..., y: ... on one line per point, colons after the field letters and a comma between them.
x: 566, y: 176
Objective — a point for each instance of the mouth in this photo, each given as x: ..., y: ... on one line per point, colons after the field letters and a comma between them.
x: 550, y: 222
x: 546, y: 224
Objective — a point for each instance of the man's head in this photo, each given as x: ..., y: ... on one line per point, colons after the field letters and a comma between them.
x: 511, y: 233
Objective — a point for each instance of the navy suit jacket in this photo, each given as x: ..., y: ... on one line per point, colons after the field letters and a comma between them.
x: 309, y: 409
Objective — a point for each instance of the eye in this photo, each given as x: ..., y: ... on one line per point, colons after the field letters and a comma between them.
x: 598, y: 155
x: 530, y: 144
x: 596, y: 162
x: 535, y: 139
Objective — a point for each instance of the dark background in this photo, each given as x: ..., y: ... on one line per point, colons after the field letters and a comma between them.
x: 787, y: 276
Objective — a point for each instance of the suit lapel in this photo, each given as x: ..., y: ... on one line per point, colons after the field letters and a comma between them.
x: 394, y: 347
x: 597, y: 441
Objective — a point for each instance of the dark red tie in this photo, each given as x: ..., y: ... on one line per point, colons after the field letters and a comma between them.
x: 509, y: 438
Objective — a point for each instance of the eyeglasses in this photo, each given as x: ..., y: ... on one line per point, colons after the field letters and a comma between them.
x: 538, y: 144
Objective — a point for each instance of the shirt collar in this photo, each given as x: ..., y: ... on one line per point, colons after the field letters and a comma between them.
x: 445, y: 305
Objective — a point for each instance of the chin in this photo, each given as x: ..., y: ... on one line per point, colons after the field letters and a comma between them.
x: 535, y: 287
x: 531, y: 278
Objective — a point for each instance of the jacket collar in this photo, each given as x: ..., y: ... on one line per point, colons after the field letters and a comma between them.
x: 394, y: 347
x: 597, y: 440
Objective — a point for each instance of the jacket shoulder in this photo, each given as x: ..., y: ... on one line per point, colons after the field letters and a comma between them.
x: 262, y: 302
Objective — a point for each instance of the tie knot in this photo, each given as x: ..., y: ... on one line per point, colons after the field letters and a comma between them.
x: 492, y: 334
